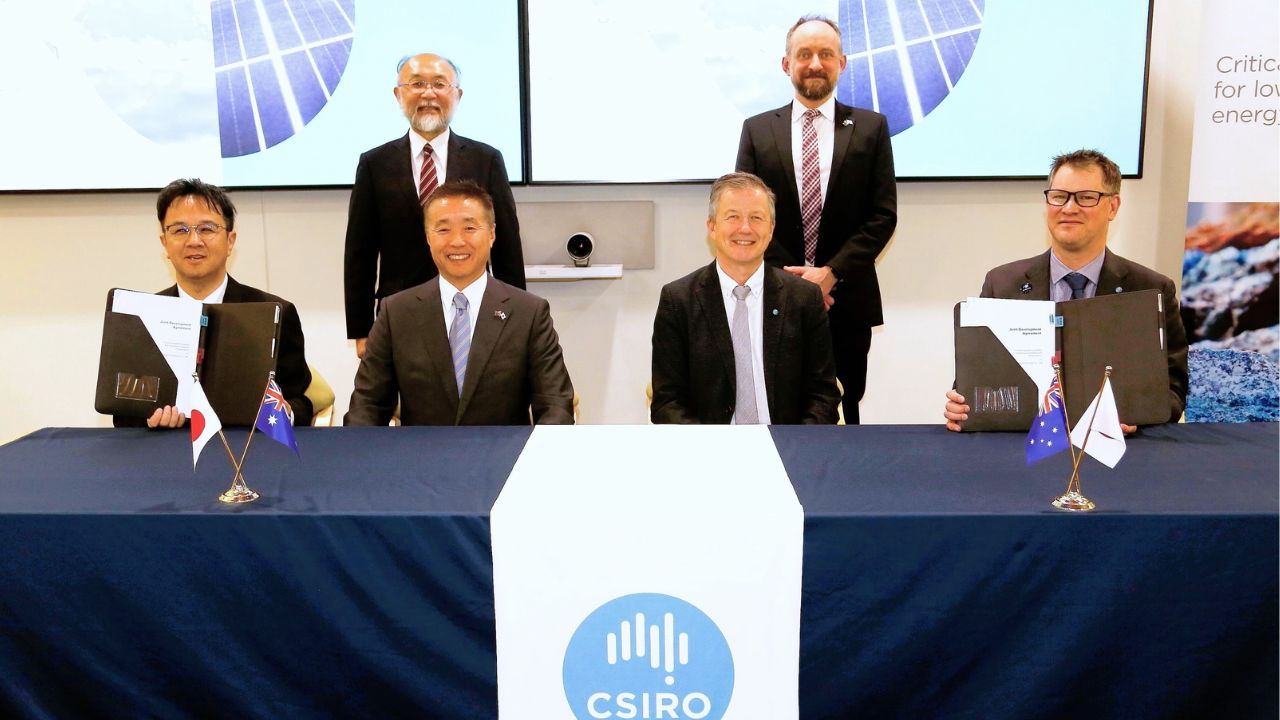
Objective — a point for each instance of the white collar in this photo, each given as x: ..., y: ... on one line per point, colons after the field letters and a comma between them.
x: 440, y: 143
x: 827, y: 109
x: 473, y: 292
x: 214, y: 297
x: 755, y: 282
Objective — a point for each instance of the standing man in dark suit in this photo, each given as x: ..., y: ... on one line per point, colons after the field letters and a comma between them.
x: 197, y: 232
x: 462, y: 348
x: 831, y: 167
x: 386, y: 251
x: 739, y: 341
x: 1082, y: 199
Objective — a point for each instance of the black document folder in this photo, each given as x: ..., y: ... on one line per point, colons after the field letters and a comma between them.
x: 238, y: 348
x: 1124, y: 330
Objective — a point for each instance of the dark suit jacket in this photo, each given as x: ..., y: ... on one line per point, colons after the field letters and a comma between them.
x: 859, y: 213
x: 515, y: 365
x: 693, y: 370
x: 292, y: 373
x: 1117, y: 275
x: 384, y: 221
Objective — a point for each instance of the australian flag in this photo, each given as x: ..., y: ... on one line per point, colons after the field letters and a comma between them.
x: 1048, y: 434
x: 273, y: 418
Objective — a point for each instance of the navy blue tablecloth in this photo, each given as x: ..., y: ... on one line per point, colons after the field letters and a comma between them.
x: 937, y: 580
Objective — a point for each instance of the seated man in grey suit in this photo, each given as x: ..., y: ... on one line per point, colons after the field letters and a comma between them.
x: 739, y: 341
x: 463, y: 348
x: 1082, y: 200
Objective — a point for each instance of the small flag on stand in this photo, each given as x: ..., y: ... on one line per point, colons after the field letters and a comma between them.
x: 1105, y: 437
x: 204, y: 421
x: 273, y: 418
x: 1048, y: 435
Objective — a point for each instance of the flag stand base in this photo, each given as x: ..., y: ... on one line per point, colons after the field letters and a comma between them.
x: 239, y: 492
x: 1074, y: 502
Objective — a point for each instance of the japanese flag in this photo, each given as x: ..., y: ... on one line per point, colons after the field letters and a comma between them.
x: 1105, y: 437
x: 204, y: 421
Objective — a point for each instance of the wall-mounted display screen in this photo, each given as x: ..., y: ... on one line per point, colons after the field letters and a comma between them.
x: 287, y: 93
x: 622, y: 91
x: 244, y: 93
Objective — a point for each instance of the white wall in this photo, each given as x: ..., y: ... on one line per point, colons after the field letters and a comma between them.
x: 61, y: 253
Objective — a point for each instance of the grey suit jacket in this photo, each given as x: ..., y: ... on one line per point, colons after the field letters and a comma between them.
x: 386, y: 243
x: 515, y: 371
x: 1029, y: 280
x: 859, y: 212
x: 694, y: 380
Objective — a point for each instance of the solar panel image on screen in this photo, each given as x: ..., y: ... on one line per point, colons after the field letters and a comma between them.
x: 905, y: 56
x: 277, y: 63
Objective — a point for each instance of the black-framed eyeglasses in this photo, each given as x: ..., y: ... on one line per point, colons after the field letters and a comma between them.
x: 439, y: 86
x: 1084, y: 198
x: 204, y: 231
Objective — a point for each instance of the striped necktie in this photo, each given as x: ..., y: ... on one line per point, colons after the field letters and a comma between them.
x: 427, y: 179
x: 460, y: 339
x: 810, y: 186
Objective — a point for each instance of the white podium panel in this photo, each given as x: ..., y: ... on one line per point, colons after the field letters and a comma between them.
x: 648, y: 572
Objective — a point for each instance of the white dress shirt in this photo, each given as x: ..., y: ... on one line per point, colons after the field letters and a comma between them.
x: 214, y: 297
x: 441, y: 146
x: 755, y: 321
x: 825, y: 126
x: 474, y: 293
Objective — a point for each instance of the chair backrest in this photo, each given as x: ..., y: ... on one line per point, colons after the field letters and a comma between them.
x: 321, y: 397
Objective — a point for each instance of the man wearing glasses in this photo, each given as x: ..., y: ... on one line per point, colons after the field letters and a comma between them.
x: 1082, y: 200
x: 197, y: 231
x: 386, y: 249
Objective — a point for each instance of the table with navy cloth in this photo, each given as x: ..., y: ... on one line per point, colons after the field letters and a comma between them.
x: 938, y: 582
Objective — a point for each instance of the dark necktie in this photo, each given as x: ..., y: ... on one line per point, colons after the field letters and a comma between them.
x: 1077, y: 282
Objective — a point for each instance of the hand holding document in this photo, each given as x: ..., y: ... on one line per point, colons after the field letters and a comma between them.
x: 1005, y: 351
x: 153, y: 345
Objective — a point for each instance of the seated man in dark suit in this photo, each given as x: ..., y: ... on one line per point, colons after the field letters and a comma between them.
x: 462, y: 348
x: 197, y: 231
x: 739, y: 341
x: 1082, y: 200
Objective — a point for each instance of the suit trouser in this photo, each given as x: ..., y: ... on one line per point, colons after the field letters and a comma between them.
x: 850, y: 344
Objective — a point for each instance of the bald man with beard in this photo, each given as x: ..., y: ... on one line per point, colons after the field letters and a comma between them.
x: 386, y: 248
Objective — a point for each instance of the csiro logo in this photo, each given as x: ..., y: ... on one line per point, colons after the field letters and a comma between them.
x: 648, y: 656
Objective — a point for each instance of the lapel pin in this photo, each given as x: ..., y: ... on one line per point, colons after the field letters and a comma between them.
x: 775, y: 311
x: 1026, y: 288
x: 847, y: 122
x: 500, y: 314
x: 1119, y: 289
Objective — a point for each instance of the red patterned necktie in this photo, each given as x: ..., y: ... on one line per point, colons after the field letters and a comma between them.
x: 427, y: 179
x: 810, y: 187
